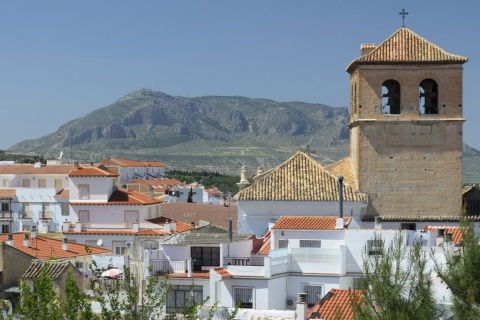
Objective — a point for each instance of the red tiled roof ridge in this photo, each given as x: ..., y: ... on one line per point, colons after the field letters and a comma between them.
x: 309, y: 222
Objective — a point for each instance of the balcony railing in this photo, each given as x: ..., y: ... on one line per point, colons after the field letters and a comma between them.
x: 250, y: 261
x: 25, y: 215
x: 178, y: 269
x: 6, y: 215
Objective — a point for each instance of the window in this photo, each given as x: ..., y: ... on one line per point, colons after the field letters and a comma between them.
x: 84, y: 190
x: 314, y: 293
x: 84, y: 216
x: 157, y: 211
x: 46, y: 212
x: 26, y: 183
x: 359, y: 283
x: 58, y: 183
x: 310, y: 244
x: 205, y: 256
x: 375, y: 247
x: 26, y: 210
x: 179, y: 296
x: 91, y: 243
x: 5, y: 206
x: 5, y: 228
x: 150, y: 213
x: 391, y: 97
x: 42, y: 183
x: 26, y: 227
x: 119, y: 247
x: 150, y: 245
x: 428, y: 103
x: 65, y: 209
x: 244, y: 296
x: 282, y: 243
x: 408, y: 226
x: 79, y: 265
x: 5, y: 183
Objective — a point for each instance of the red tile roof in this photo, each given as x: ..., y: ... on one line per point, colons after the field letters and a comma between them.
x: 455, y: 230
x: 405, y: 46
x: 131, y: 163
x: 7, y: 193
x: 123, y: 197
x: 309, y: 222
x: 336, y: 304
x: 32, y: 169
x: 224, y: 273
x: 44, y: 248
x: 88, y: 171
x: 262, y: 245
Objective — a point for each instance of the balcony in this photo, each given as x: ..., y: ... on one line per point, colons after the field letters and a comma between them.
x: 6, y: 215
x: 178, y: 269
x: 25, y: 215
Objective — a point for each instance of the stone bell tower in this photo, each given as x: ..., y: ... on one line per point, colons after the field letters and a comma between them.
x: 406, y: 127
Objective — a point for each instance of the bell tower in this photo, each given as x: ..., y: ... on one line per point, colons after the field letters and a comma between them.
x: 406, y: 127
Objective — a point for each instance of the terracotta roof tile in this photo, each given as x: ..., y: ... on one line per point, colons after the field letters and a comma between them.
x: 44, y: 248
x: 405, y: 46
x: 123, y: 197
x: 224, y: 273
x: 7, y: 193
x: 300, y: 178
x: 53, y: 268
x: 88, y: 171
x: 344, y: 168
x: 131, y: 163
x: 454, y: 230
x: 336, y: 304
x: 309, y: 222
x: 37, y: 170
x: 64, y: 193
x: 264, y: 246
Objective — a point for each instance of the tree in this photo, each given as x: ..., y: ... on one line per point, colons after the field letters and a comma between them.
x: 461, y: 273
x: 397, y: 283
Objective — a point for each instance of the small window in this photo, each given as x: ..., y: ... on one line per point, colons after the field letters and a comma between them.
x: 119, y: 247
x: 157, y: 211
x: 65, y: 209
x: 314, y: 293
x: 80, y: 265
x: 310, y: 244
x: 375, y: 247
x: 26, y: 227
x: 84, y: 190
x: 5, y: 228
x: 150, y: 213
x: 5, y: 183
x: 244, y: 296
x: 5, y: 206
x: 150, y: 245
x: 408, y: 226
x: 42, y: 183
x: 391, y: 97
x: 26, y: 183
x: 58, y: 183
x: 428, y: 103
x: 282, y: 243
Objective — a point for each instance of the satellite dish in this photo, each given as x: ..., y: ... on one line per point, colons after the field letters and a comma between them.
x: 99, y: 242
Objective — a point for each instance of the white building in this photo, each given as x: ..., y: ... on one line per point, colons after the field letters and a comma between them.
x: 132, y: 169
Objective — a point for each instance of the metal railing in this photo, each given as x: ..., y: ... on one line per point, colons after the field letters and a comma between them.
x: 249, y: 261
x: 6, y: 215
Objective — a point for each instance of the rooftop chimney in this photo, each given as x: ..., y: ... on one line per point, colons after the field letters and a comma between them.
x: 136, y: 226
x: 166, y: 226
x: 173, y: 225
x: 301, y: 306
x: 192, y: 224
x: 34, y: 232
x: 65, y: 244
x: 10, y: 239
x: 26, y: 240
x: 75, y: 165
x: 244, y: 183
x: 78, y: 226
x: 66, y: 226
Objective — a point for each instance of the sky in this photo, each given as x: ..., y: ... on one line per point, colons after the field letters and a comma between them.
x: 60, y: 60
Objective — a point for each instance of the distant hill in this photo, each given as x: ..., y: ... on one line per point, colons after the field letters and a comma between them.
x: 208, y: 133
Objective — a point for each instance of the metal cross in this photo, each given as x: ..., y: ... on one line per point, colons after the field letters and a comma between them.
x: 403, y: 13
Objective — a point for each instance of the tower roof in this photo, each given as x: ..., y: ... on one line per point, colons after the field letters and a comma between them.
x: 403, y: 47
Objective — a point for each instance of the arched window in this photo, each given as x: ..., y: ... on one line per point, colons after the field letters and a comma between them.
x: 428, y: 102
x: 391, y: 97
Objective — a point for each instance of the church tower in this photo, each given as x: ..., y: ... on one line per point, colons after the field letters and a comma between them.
x: 406, y: 127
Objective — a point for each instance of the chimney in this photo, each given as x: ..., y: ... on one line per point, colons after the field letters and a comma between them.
x: 366, y: 48
x: 75, y: 165
x: 136, y: 226
x: 65, y: 244
x: 173, y: 225
x: 378, y: 223
x: 34, y: 232
x: 66, y: 226
x: 10, y: 239
x: 166, y: 226
x: 301, y: 306
x: 440, y: 237
x: 244, y: 183
x: 192, y: 224
x: 78, y: 226
x: 259, y: 170
x: 26, y: 240
x: 340, y: 224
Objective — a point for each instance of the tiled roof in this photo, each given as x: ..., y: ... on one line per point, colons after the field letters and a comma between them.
x: 157, y: 183
x: 202, y: 238
x: 131, y: 163
x: 195, y: 212
x: 64, y: 193
x: 309, y: 222
x: 32, y: 169
x: 123, y: 197
x: 336, y: 304
x: 344, y: 168
x: 405, y: 46
x: 89, y: 171
x: 54, y: 269
x: 7, y: 193
x: 454, y: 230
x: 44, y: 248
x: 421, y: 218
x: 263, y: 244
x: 224, y: 273
x: 300, y: 178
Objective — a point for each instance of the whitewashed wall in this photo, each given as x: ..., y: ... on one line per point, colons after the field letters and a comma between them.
x: 101, y: 188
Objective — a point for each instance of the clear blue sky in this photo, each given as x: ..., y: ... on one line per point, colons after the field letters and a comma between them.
x: 60, y: 60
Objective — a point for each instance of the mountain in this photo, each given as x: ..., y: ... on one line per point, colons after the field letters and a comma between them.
x: 212, y: 132
x: 207, y: 133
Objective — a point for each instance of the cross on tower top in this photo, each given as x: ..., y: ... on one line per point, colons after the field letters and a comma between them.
x: 403, y: 13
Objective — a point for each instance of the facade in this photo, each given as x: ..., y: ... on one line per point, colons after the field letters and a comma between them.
x: 406, y: 118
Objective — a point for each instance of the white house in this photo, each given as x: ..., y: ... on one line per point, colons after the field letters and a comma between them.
x: 132, y: 169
